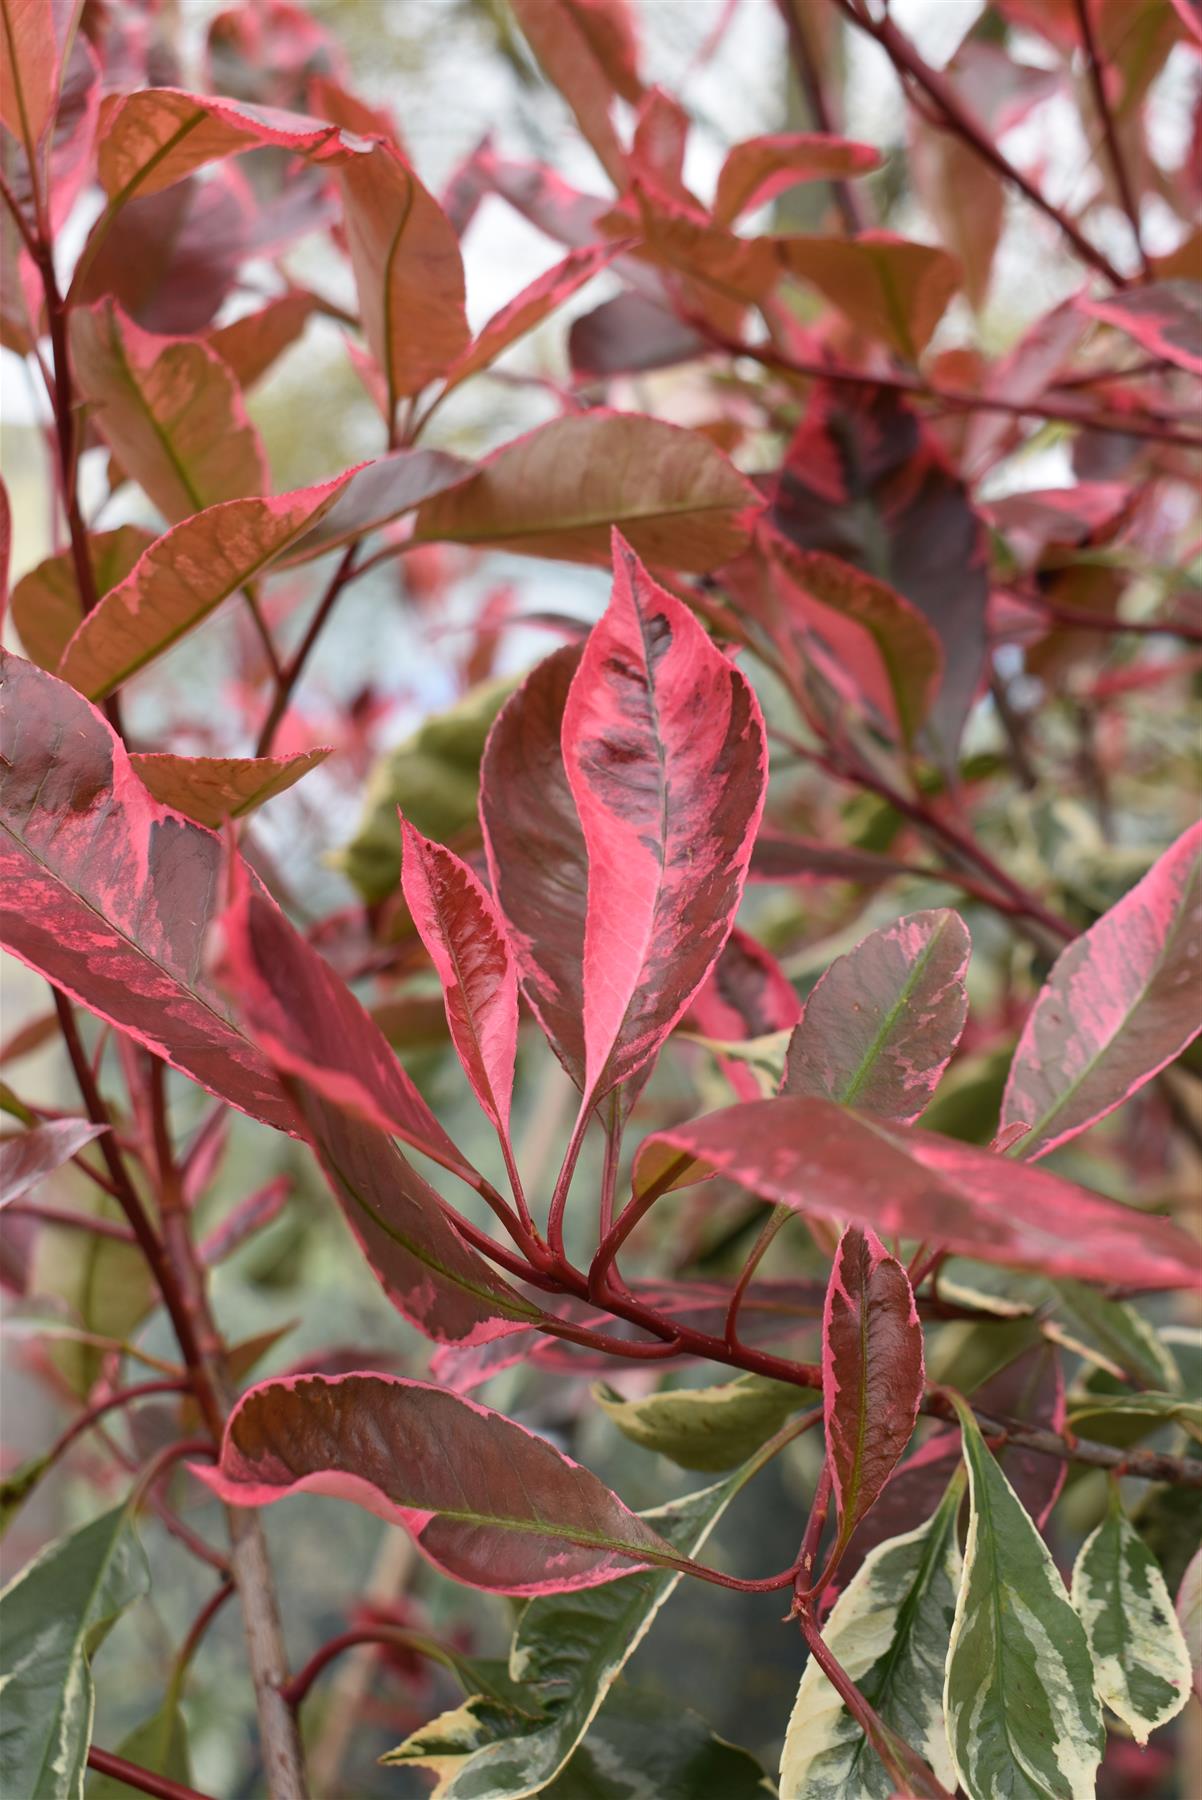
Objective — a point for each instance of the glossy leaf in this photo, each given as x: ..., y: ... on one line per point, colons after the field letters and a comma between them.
x: 183, y: 577
x: 760, y: 168
x: 408, y: 271
x: 53, y: 1617
x: 351, y: 1095
x: 890, y: 288
x: 706, y: 1428
x: 664, y: 747
x: 864, y: 480
x: 528, y: 309
x: 558, y: 491
x: 27, y: 68
x: 537, y: 860
x: 889, y: 1629
x: 77, y: 825
x: 27, y: 1157
x: 1022, y: 1714
x: 1141, y: 1660
x: 883, y: 1022
x: 819, y: 1158
x: 872, y: 1372
x: 484, y: 1499
x: 567, y: 1653
x: 1120, y: 1003
x: 150, y: 139
x: 212, y: 789
x: 1165, y: 317
x: 46, y: 607
x: 457, y: 920
x: 169, y: 409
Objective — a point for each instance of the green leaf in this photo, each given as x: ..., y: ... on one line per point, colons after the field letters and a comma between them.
x: 1113, y: 1333
x: 567, y: 1651
x: 105, y: 1283
x: 1141, y: 1660
x: 707, y: 1428
x: 1163, y: 1408
x: 1023, y: 1719
x: 434, y: 778
x: 647, y: 1744
x: 53, y: 1615
x: 763, y: 1056
x: 159, y: 1744
x: 890, y: 1631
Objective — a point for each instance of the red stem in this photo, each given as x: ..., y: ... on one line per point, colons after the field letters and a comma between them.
x: 144, y: 1780
x: 1118, y: 162
x: 293, y: 668
x: 60, y: 1215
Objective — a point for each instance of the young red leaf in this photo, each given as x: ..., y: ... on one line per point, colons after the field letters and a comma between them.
x: 251, y: 344
x: 746, y: 995
x: 169, y: 409
x: 558, y: 491
x: 1165, y: 318
x: 627, y: 336
x: 457, y: 921
x: 664, y: 747
x: 244, y: 1219
x: 109, y: 895
x: 485, y: 1500
x: 47, y: 610
x: 537, y: 861
x: 381, y: 491
x: 408, y: 271
x: 819, y: 1158
x: 872, y: 1372
x: 151, y: 139
x: 529, y: 308
x: 212, y: 789
x: 558, y: 33
x: 27, y: 68
x: 759, y: 169
x: 882, y: 1023
x: 892, y: 289
x: 26, y: 1157
x: 1120, y: 1003
x: 181, y: 579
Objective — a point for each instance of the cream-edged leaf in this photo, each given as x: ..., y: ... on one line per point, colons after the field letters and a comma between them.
x: 1141, y: 1659
x: 706, y: 1428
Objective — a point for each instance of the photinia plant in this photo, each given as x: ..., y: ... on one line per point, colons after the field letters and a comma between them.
x: 628, y: 1058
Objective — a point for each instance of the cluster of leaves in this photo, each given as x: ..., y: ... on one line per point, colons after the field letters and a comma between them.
x: 832, y: 560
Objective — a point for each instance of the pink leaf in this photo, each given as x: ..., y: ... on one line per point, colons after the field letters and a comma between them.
x: 457, y: 921
x: 244, y: 1219
x: 485, y: 1500
x: 882, y: 1023
x: 559, y: 34
x: 1120, y: 1003
x: 26, y: 1157
x: 250, y: 344
x: 1164, y: 317
x: 664, y: 747
x: 182, y: 578
x: 529, y: 308
x: 759, y: 169
x: 212, y: 789
x: 109, y: 895
x: 872, y: 1371
x: 381, y: 491
x: 821, y: 1159
x: 169, y: 409
x: 746, y: 995
x: 537, y: 861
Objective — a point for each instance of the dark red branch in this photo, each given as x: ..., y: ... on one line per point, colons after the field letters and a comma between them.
x: 144, y: 1780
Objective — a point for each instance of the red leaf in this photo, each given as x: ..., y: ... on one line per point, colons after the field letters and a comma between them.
x: 27, y: 68
x: 484, y: 1500
x: 109, y: 895
x: 780, y: 857
x: 865, y: 481
x: 381, y: 491
x: 27, y: 1157
x: 351, y: 1096
x: 46, y: 606
x: 169, y: 259
x: 151, y: 139
x: 169, y: 409
x: 558, y: 491
x: 746, y: 995
x: 1120, y: 1003
x: 244, y: 1219
x: 408, y: 271
x: 558, y: 32
x: 882, y: 1023
x: 251, y: 344
x: 628, y: 335
x: 663, y: 742
x: 892, y: 289
x: 179, y: 581
x: 819, y: 1158
x: 872, y: 1372
x: 759, y: 169
x: 457, y: 921
x: 537, y: 862
x: 1164, y: 317
x: 212, y: 789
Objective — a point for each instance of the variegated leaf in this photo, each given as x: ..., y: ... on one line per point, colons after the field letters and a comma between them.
x: 890, y: 1631
x: 1141, y: 1660
x: 1023, y: 1719
x: 705, y: 1428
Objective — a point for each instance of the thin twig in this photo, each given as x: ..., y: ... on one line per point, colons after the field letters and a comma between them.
x: 294, y: 668
x: 119, y: 1768
x: 1114, y: 149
